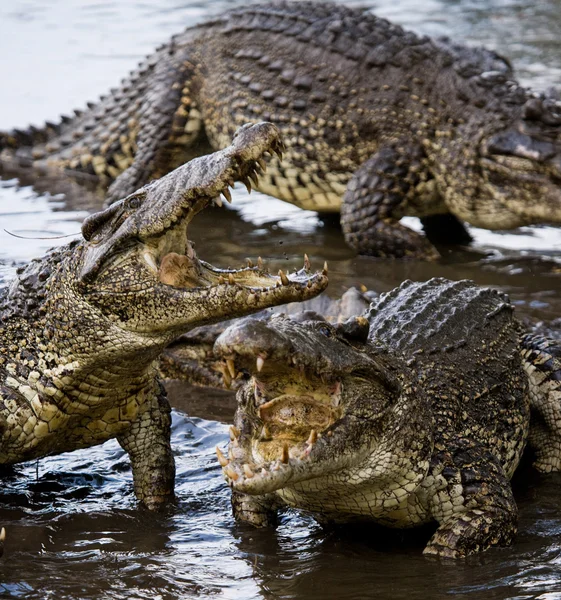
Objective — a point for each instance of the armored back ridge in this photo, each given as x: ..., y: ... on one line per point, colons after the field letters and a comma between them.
x: 378, y: 121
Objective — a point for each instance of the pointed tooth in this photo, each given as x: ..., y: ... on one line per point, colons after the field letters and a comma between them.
x: 254, y: 178
x: 231, y: 367
x: 227, y: 195
x: 2, y: 535
x: 313, y: 437
x: 283, y: 277
x: 259, y: 263
x: 231, y: 279
x: 324, y: 272
x: 284, y: 455
x: 231, y: 473
x: 262, y: 164
x: 260, y: 362
x: 249, y: 263
x: 218, y: 201
x: 221, y: 279
x: 247, y: 184
x: 307, y: 264
x: 231, y: 183
x: 234, y: 433
x: 265, y: 433
x: 224, y: 462
x: 247, y: 471
x: 151, y: 261
x: 226, y: 377
x: 264, y: 472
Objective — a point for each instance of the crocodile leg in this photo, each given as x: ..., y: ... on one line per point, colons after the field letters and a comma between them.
x: 147, y: 442
x: 259, y: 511
x: 541, y: 358
x: 373, y: 204
x: 168, y: 126
x: 475, y: 507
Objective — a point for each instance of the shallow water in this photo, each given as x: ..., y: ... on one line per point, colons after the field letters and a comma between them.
x: 73, y: 526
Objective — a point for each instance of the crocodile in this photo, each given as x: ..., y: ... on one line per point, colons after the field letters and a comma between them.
x: 417, y: 411
x: 379, y: 123
x: 191, y: 358
x: 82, y: 328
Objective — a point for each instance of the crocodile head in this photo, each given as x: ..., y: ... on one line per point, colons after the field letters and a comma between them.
x: 314, y: 392
x: 522, y: 164
x: 138, y: 267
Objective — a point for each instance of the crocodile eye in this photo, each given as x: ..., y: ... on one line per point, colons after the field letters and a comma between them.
x: 134, y: 202
x: 326, y: 331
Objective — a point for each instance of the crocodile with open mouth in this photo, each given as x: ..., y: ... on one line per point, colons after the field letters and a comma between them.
x: 418, y: 411
x: 379, y: 123
x: 82, y: 328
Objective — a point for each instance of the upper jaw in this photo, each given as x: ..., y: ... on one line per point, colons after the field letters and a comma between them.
x: 161, y: 208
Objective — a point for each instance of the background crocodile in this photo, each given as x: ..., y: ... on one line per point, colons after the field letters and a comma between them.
x: 379, y: 123
x: 81, y: 329
x: 417, y: 412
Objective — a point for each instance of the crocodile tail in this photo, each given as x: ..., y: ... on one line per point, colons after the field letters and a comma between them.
x: 541, y: 357
x: 30, y: 143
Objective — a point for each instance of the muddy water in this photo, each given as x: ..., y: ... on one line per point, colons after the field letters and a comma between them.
x: 73, y: 526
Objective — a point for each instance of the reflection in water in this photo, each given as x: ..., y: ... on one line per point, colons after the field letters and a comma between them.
x: 74, y: 530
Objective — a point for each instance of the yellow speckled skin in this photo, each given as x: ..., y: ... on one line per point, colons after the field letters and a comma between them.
x: 378, y: 122
x: 82, y: 329
x: 431, y: 410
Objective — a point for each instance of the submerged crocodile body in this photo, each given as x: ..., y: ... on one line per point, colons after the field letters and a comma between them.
x: 379, y: 123
x: 81, y: 329
x: 417, y: 411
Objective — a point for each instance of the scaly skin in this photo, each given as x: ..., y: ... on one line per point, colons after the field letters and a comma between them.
x: 378, y: 122
x: 191, y: 357
x: 82, y: 329
x: 417, y: 411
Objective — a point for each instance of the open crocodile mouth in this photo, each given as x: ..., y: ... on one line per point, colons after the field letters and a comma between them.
x: 284, y: 423
x: 149, y: 228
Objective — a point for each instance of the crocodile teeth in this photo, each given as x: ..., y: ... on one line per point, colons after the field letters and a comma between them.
x: 265, y: 433
x: 262, y: 164
x: 227, y: 195
x: 307, y: 264
x: 151, y: 261
x: 259, y: 263
x: 226, y: 376
x: 247, y: 471
x: 231, y: 473
x: 2, y: 535
x: 254, y: 178
x: 221, y: 279
x: 247, y: 184
x: 313, y: 437
x: 284, y: 455
x: 324, y: 272
x: 221, y: 458
x: 234, y: 433
x: 260, y: 362
x: 218, y: 201
x: 249, y: 263
x: 231, y: 279
x: 283, y: 277
x: 231, y: 367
